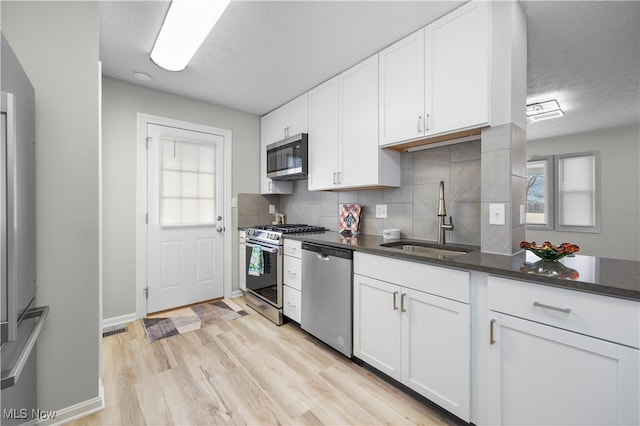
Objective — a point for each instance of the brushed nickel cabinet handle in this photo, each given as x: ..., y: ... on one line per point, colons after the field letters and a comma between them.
x: 402, y: 308
x: 419, y: 124
x: 553, y: 308
x: 395, y: 300
x: 491, y: 339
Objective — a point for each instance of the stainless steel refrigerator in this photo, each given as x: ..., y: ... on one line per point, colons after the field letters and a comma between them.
x: 21, y: 320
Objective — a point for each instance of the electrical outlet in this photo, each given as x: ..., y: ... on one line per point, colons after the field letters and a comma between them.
x: 272, y: 209
x: 496, y: 214
x: 381, y: 211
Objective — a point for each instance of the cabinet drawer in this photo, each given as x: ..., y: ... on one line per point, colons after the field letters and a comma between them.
x: 292, y: 272
x: 594, y: 315
x: 292, y: 303
x: 444, y: 282
x: 293, y: 248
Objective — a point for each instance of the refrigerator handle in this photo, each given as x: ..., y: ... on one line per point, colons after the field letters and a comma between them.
x: 13, y: 374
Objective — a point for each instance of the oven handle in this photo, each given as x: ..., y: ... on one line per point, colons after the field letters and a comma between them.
x: 267, y: 249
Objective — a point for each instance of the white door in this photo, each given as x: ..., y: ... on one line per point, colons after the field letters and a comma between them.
x: 436, y: 350
x: 542, y: 375
x: 402, y: 90
x: 376, y: 324
x: 359, y: 142
x: 185, y: 223
x: 324, y: 135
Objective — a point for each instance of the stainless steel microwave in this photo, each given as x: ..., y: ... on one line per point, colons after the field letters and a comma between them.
x: 287, y: 159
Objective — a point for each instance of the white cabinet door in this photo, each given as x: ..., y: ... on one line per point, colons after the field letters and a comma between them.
x: 268, y: 186
x: 457, y: 70
x: 544, y: 375
x: 292, y: 303
x: 298, y: 115
x: 402, y: 90
x: 436, y: 350
x: 324, y: 121
x: 359, y: 157
x: 280, y: 118
x: 376, y: 324
x: 289, y: 119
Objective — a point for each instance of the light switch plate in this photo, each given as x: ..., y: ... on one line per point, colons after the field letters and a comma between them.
x: 523, y: 215
x: 272, y: 209
x: 381, y: 211
x: 496, y: 214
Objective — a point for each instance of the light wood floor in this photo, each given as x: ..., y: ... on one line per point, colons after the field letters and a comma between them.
x: 245, y: 371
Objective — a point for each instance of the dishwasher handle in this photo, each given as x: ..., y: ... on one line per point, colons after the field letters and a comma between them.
x: 327, y: 252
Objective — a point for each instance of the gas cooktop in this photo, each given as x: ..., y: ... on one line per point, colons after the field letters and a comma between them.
x: 271, y: 234
x: 293, y: 228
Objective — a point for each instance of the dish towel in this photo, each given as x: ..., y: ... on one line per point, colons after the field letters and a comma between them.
x: 256, y: 263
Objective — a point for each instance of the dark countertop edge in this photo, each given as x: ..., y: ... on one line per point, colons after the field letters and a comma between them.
x: 472, y: 262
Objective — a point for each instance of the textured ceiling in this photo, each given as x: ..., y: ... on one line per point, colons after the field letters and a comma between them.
x: 264, y: 53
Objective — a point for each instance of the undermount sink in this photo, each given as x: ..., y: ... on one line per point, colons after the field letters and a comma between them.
x: 427, y: 249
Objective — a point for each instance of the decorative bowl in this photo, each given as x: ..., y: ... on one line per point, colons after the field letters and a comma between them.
x: 548, y: 251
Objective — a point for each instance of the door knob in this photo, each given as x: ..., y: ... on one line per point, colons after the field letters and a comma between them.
x: 220, y: 229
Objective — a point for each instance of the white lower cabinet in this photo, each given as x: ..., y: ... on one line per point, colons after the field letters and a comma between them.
x: 542, y: 373
x: 292, y: 274
x: 416, y: 337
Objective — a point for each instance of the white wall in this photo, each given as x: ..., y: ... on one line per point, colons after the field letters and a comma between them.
x: 121, y: 102
x: 619, y: 183
x: 57, y: 44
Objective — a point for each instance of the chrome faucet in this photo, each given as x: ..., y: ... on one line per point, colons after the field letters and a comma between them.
x: 442, y: 213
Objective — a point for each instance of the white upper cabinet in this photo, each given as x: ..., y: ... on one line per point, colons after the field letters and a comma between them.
x: 324, y: 134
x: 343, y: 133
x: 436, y: 81
x: 457, y: 70
x: 268, y: 186
x: 290, y: 119
x: 401, y: 86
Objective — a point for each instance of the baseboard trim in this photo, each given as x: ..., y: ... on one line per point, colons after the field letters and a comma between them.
x: 77, y: 411
x: 237, y: 293
x: 117, y: 321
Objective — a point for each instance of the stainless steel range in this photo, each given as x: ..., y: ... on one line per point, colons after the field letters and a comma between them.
x: 264, y: 284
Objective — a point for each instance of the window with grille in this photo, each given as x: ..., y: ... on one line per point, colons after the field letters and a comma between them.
x: 187, y: 183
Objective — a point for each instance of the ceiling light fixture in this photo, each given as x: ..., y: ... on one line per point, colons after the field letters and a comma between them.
x: 543, y: 111
x: 187, y: 24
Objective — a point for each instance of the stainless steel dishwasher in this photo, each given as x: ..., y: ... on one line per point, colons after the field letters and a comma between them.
x: 327, y: 295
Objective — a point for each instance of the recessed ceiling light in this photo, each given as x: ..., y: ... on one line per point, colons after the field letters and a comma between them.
x: 142, y: 76
x: 184, y: 29
x: 543, y: 111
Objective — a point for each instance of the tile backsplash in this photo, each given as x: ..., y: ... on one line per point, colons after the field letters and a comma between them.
x: 412, y: 207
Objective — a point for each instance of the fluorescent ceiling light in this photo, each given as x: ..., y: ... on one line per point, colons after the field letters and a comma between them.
x: 187, y: 24
x: 544, y: 111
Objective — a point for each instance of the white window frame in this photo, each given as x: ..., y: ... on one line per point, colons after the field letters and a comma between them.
x: 549, y: 194
x: 596, y: 196
x: 552, y: 180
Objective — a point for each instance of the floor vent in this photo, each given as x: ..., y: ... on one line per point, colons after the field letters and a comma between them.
x: 116, y: 330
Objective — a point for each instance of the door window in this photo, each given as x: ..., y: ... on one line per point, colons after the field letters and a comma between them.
x: 187, y: 183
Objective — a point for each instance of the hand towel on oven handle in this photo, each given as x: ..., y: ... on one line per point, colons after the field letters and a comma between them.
x: 256, y: 263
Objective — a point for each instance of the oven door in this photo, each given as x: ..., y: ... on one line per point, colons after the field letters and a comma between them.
x: 267, y: 286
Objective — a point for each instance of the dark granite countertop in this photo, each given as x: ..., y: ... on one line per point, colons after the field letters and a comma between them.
x: 610, y: 277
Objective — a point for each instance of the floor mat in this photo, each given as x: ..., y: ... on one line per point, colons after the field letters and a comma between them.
x: 184, y: 320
